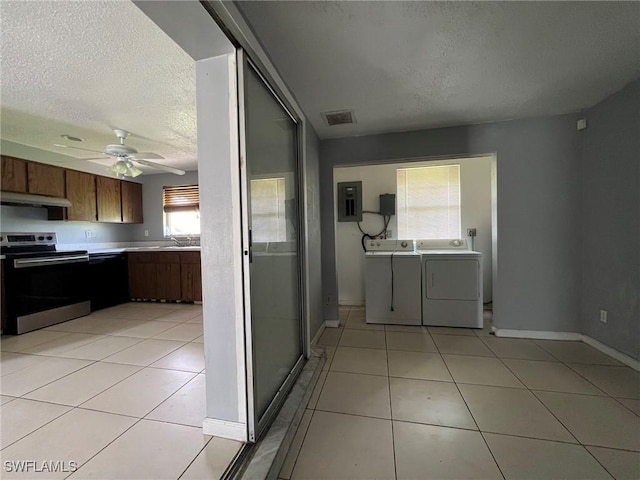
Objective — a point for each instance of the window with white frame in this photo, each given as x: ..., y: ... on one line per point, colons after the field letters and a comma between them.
x: 429, y: 202
x: 181, y: 205
x: 268, y: 209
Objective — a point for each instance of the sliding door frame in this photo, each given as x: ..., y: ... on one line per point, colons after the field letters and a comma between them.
x: 257, y: 426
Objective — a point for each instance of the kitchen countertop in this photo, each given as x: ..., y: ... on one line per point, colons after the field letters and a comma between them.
x: 145, y: 249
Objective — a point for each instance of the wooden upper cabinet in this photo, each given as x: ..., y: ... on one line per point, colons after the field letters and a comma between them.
x: 45, y: 179
x: 108, y: 200
x: 131, y: 202
x: 81, y: 192
x: 14, y: 174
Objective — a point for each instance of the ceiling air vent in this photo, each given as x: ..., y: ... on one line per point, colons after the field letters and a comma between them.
x: 339, y: 118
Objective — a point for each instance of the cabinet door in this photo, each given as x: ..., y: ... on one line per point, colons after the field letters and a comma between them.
x: 3, y: 300
x: 135, y: 276
x: 109, y: 200
x: 168, y: 281
x: 45, y: 179
x: 143, y: 278
x: 191, y: 274
x: 81, y: 192
x: 191, y: 281
x: 14, y: 175
x: 131, y: 202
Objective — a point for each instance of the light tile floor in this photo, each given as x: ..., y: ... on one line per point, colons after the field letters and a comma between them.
x: 401, y: 402
x: 121, y: 392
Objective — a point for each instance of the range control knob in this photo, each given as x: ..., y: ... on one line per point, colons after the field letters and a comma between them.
x: 40, y: 238
x: 1, y: 239
x: 49, y: 237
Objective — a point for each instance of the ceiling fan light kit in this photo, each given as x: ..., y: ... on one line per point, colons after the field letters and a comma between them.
x: 124, y: 168
x: 126, y: 156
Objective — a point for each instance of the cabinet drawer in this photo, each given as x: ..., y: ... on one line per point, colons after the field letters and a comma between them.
x: 190, y: 257
x: 168, y: 257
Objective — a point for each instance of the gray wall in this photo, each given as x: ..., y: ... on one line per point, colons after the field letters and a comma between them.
x: 31, y: 219
x: 538, y: 184
x: 314, y: 266
x: 611, y: 221
x: 152, y: 202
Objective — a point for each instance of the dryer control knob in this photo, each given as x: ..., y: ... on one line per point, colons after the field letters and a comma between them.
x: 403, y: 244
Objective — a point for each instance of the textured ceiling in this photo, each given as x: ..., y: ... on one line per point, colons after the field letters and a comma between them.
x: 86, y: 67
x: 411, y: 65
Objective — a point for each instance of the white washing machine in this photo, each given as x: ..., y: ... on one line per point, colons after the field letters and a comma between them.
x: 393, y: 283
x: 451, y: 283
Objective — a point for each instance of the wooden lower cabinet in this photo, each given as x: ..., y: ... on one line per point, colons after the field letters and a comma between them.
x: 164, y: 276
x: 191, y: 280
x: 3, y: 300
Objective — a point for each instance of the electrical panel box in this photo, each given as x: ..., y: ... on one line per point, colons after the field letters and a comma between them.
x: 350, y: 201
x: 388, y: 204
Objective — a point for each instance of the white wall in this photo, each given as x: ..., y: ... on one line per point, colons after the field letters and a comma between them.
x: 475, y: 186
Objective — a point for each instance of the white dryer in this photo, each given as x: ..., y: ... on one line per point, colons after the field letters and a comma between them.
x: 451, y: 283
x: 393, y: 283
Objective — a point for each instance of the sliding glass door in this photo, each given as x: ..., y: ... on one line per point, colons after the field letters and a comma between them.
x: 269, y: 150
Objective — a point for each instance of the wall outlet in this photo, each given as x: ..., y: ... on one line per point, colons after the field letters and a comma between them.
x: 603, y: 316
x: 146, y: 233
x: 89, y: 234
x: 389, y: 234
x: 471, y: 232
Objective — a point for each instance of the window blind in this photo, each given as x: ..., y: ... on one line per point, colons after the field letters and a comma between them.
x: 429, y: 202
x: 268, y: 212
x: 183, y: 198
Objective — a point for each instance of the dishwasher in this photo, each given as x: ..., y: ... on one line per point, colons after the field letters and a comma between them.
x: 108, y: 280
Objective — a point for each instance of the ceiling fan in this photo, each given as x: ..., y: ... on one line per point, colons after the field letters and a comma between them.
x: 126, y: 156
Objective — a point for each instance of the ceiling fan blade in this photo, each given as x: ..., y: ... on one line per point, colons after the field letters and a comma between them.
x: 75, y: 148
x: 94, y: 158
x: 148, y: 156
x: 177, y: 171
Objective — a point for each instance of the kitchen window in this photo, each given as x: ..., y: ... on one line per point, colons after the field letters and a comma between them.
x: 429, y: 202
x: 181, y: 205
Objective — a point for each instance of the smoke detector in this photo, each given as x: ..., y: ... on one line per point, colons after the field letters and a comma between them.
x: 339, y: 117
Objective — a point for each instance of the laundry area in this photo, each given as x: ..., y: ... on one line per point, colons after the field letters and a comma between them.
x: 414, y: 240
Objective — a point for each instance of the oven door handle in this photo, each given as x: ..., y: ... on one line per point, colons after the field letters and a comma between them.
x: 46, y: 261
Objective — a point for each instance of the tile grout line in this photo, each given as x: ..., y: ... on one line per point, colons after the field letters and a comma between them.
x: 195, y: 457
x: 304, y: 437
x: 106, y: 446
x: 471, y: 413
x: 393, y: 438
x: 313, y: 410
x: 4, y: 447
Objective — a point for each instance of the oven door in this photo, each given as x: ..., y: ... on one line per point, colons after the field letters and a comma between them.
x: 43, y: 291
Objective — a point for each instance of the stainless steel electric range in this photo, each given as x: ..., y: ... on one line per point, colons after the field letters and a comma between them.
x: 43, y: 286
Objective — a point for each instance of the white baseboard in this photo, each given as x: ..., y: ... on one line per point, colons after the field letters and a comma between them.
x: 332, y: 323
x: 612, y: 352
x: 351, y: 303
x: 536, y: 334
x: 314, y: 340
x: 572, y: 336
x: 221, y: 428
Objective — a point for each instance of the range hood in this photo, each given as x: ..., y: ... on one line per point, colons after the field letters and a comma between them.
x: 28, y: 200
